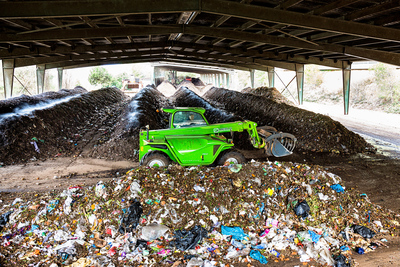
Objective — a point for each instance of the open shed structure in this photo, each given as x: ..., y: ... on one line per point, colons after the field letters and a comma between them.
x: 246, y: 34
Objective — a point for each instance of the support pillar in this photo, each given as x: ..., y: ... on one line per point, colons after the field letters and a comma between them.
x: 252, y: 72
x: 227, y: 80
x: 60, y: 77
x: 346, y: 72
x: 8, y: 77
x: 40, y: 72
x: 219, y: 80
x: 223, y: 80
x: 271, y: 76
x: 300, y: 82
x: 215, y: 80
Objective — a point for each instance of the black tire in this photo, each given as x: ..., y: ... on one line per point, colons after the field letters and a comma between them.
x: 231, y: 157
x: 155, y: 159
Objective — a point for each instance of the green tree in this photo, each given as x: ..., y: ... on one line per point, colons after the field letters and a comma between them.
x: 117, y: 81
x: 100, y: 76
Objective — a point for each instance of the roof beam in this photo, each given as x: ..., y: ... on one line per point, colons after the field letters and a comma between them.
x: 25, y: 9
x: 332, y: 6
x: 53, y: 9
x: 87, y: 63
x: 22, y: 62
x: 224, y: 50
x: 303, y: 20
x: 382, y: 56
x: 365, y: 12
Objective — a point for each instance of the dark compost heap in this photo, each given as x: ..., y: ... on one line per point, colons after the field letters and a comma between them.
x: 105, y: 124
x: 45, y: 133
x: 315, y: 132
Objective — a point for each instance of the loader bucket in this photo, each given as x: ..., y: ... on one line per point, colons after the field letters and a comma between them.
x: 280, y: 144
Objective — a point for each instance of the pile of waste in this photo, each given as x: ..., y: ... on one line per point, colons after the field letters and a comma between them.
x: 45, y: 129
x: 314, y: 132
x: 105, y: 123
x: 268, y: 92
x: 166, y: 88
x: 141, y: 110
x: 191, y: 86
x: 199, y: 216
x: 11, y: 105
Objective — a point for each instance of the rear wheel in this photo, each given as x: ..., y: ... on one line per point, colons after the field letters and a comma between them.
x: 155, y: 159
x: 231, y: 157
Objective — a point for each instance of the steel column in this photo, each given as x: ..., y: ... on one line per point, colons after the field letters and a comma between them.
x: 60, y: 77
x: 300, y: 82
x: 271, y: 76
x: 8, y: 77
x: 346, y: 71
x: 40, y: 73
x: 252, y: 72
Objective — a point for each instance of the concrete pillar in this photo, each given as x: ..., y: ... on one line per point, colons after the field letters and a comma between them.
x: 271, y: 76
x: 60, y: 77
x: 346, y: 72
x: 252, y: 72
x: 215, y: 80
x: 8, y: 77
x: 223, y: 80
x: 227, y: 80
x: 40, y: 72
x: 219, y: 80
x: 300, y: 82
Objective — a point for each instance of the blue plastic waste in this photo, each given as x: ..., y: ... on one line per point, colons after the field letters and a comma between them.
x: 337, y: 187
x: 255, y: 254
x: 314, y: 237
x: 236, y: 232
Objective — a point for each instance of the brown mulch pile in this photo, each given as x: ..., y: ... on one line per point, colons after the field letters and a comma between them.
x: 314, y: 132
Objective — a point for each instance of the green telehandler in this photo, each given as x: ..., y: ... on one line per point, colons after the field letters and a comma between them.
x: 191, y: 141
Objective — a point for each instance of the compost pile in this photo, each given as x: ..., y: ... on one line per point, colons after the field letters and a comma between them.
x: 106, y: 124
x: 268, y: 92
x: 166, y: 88
x: 10, y: 105
x: 314, y: 132
x: 191, y: 86
x: 143, y: 109
x: 64, y: 126
x: 197, y: 216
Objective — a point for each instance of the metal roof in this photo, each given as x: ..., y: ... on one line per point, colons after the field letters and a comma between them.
x: 246, y: 34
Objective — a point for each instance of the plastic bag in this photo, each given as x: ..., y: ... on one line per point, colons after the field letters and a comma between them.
x: 341, y: 261
x: 131, y: 220
x: 337, y: 187
x: 302, y: 209
x: 185, y: 240
x: 236, y: 232
x: 195, y: 262
x: 4, y: 219
x: 314, y: 237
x: 255, y: 254
x: 153, y: 231
x: 363, y: 231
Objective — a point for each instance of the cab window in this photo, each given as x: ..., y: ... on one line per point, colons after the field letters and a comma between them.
x: 188, y: 119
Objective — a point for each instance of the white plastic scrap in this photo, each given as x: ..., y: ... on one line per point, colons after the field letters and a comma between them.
x: 135, y: 189
x: 153, y: 231
x: 67, y: 205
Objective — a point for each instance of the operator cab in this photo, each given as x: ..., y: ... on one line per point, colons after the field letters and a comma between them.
x: 186, y: 117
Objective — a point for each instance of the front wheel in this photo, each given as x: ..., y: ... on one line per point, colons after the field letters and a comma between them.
x: 155, y: 159
x: 231, y: 157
